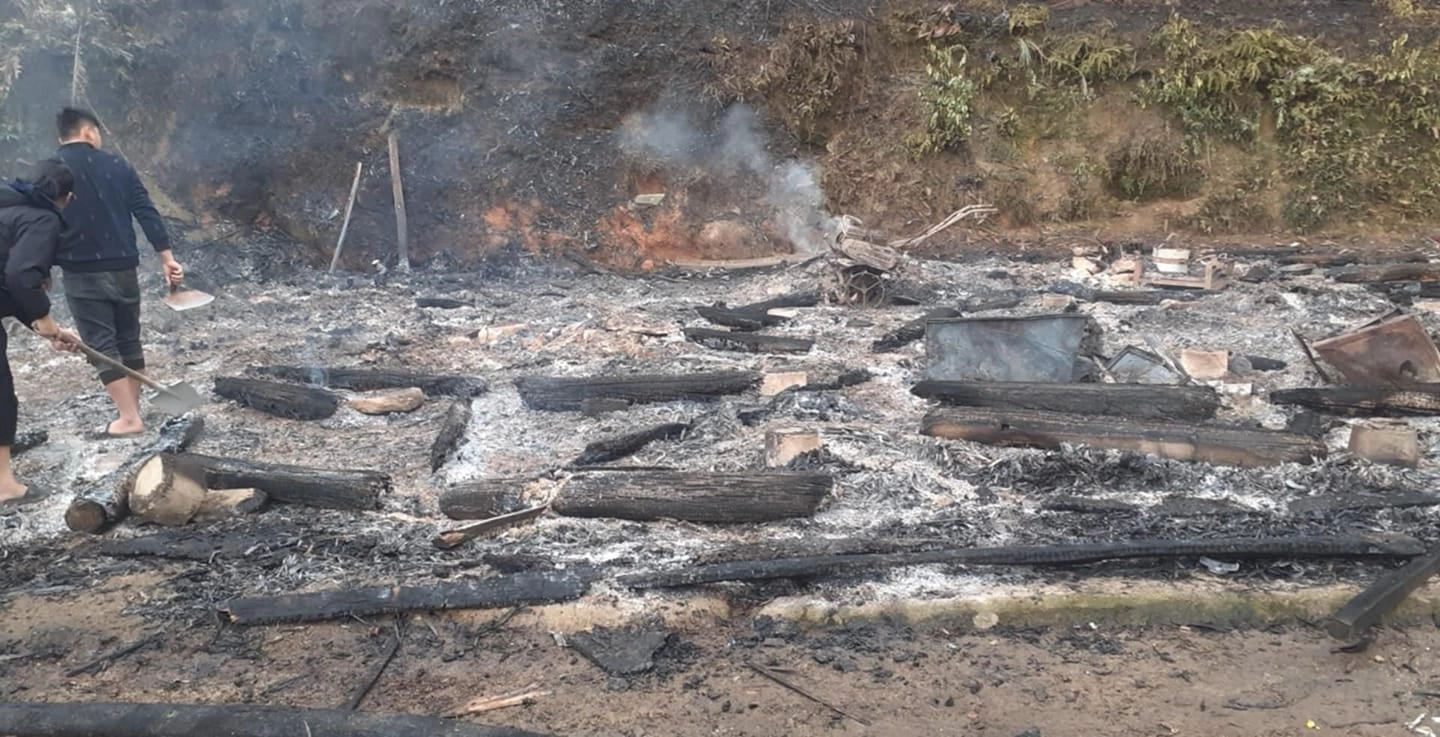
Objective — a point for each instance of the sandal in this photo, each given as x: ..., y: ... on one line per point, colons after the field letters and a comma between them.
x: 33, y: 493
x: 105, y: 433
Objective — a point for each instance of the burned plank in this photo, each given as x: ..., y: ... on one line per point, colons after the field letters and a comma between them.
x: 107, y: 501
x: 1336, y: 546
x: 1217, y: 444
x: 364, y: 380
x: 304, y: 485
x: 68, y: 719
x: 568, y: 394
x: 452, y: 431
x: 739, y: 318
x: 693, y: 497
x: 911, y: 331
x: 292, y: 401
x: 1382, y: 597
x: 519, y: 589
x: 620, y: 446
x: 1409, y: 400
x: 1142, y: 401
x: 1379, y: 273
x: 457, y: 536
x: 483, y: 498
x: 725, y: 340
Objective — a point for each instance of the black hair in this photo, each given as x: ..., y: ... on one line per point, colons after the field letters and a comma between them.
x: 71, y: 120
x: 52, y: 178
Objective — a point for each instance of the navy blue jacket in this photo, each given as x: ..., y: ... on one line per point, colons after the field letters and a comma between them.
x: 100, y: 235
x: 30, y: 226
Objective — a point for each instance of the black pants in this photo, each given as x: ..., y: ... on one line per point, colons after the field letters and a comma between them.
x: 106, y: 308
x: 9, y: 403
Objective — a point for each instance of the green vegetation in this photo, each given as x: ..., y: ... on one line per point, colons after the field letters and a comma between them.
x: 1153, y: 166
x: 947, y: 100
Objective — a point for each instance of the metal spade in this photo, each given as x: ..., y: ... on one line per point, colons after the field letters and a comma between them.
x: 186, y: 299
x: 176, y: 399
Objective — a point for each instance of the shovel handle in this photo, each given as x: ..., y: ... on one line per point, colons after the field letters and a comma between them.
x: 112, y: 363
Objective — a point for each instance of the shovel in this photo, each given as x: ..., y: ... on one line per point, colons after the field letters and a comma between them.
x: 186, y: 299
x: 176, y: 399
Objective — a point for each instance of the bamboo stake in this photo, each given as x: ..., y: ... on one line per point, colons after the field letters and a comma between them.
x: 349, y: 209
x: 398, y: 188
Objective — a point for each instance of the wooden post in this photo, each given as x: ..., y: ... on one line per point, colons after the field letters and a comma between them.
x: 398, y: 187
x: 349, y: 209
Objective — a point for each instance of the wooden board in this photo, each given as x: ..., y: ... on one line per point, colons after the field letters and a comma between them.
x: 1143, y: 401
x: 693, y: 496
x: 567, y: 394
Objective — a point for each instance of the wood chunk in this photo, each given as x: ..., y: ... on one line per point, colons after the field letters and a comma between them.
x: 364, y: 380
x: 1205, y: 365
x: 222, y: 504
x: 391, y: 401
x: 773, y: 384
x: 693, y: 496
x: 1142, y: 401
x: 725, y: 340
x: 566, y: 394
x: 452, y: 431
x: 613, y: 449
x: 911, y: 331
x: 107, y: 501
x: 312, y: 487
x: 165, y: 493
x: 484, y: 498
x: 783, y: 446
x: 1220, y: 445
x: 1410, y: 400
x: 292, y: 401
x: 520, y: 589
x: 620, y: 651
x: 1394, y: 446
x: 1380, y: 598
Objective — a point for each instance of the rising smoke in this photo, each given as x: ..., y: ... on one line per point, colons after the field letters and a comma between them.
x: 735, y: 148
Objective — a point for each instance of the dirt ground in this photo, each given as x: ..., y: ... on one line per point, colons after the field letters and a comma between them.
x: 900, y: 682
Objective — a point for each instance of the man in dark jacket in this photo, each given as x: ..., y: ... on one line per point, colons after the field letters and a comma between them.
x: 98, y: 258
x: 30, y: 226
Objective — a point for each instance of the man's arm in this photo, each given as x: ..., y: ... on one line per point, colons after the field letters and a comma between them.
x: 144, y: 211
x: 29, y: 264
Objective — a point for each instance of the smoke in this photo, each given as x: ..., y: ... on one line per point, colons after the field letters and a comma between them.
x: 736, y: 148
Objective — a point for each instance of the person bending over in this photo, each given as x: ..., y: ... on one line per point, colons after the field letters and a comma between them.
x: 99, y: 260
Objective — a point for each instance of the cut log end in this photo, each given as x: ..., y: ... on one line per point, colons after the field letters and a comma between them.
x: 163, y: 493
x: 84, y: 515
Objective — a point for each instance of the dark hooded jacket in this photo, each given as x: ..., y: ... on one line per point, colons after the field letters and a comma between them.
x: 30, y: 227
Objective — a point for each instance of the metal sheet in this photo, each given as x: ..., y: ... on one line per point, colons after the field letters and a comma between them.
x: 1393, y: 351
x: 1137, y: 366
x: 1040, y: 348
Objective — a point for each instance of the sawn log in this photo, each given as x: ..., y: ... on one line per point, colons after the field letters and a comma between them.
x: 106, y: 501
x: 292, y: 401
x: 693, y: 497
x: 313, y: 487
x: 1142, y: 401
x: 567, y: 394
x: 484, y: 498
x: 1226, y: 446
x: 364, y: 380
x: 1410, y: 400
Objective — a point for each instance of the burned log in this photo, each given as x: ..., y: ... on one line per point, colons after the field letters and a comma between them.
x: 452, y: 431
x: 1409, y: 400
x: 725, y: 340
x: 611, y: 449
x: 693, y: 497
x: 311, y: 487
x: 107, y: 501
x: 1142, y: 401
x: 739, y: 318
x: 568, y: 394
x: 1217, y: 444
x: 1338, y: 546
x: 1380, y: 273
x: 794, y: 299
x: 364, y: 380
x: 166, y: 492
x: 483, y: 498
x: 1381, y: 597
x: 441, y: 303
x: 292, y: 401
x: 1330, y: 504
x: 911, y: 331
x: 519, y: 589
x: 70, y: 719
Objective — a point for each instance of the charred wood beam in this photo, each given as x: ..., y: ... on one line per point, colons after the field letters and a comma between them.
x: 693, y: 497
x: 106, y: 501
x: 1410, y: 400
x: 911, y: 331
x: 808, y: 298
x: 1328, y: 504
x: 452, y: 431
x: 71, y: 719
x: 725, y: 340
x: 312, y: 487
x: 364, y: 380
x: 520, y: 589
x: 1141, y: 401
x: 1382, y: 597
x: 483, y: 498
x: 292, y: 401
x: 1221, y: 445
x: 739, y: 318
x: 1380, y: 273
x: 612, y: 449
x: 568, y: 394
x: 1339, y: 546
x: 442, y: 303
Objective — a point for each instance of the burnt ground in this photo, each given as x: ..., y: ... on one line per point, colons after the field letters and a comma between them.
x: 66, y: 600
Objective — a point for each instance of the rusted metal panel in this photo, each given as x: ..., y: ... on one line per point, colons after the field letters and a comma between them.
x: 1039, y: 348
x: 1394, y: 350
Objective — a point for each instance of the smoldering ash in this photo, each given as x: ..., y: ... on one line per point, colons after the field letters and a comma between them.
x: 735, y: 147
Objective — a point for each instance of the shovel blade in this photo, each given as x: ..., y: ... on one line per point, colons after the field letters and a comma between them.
x: 177, y: 399
x: 188, y: 299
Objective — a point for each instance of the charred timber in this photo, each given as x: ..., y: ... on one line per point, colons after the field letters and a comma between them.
x: 1228, y: 446
x: 568, y: 394
x: 1340, y: 546
x: 519, y: 589
x: 68, y: 719
x: 621, y: 446
x: 739, y: 318
x: 303, y: 485
x: 483, y: 498
x: 726, y: 340
x: 1382, y: 597
x: 1142, y: 401
x: 364, y: 380
x: 452, y: 431
x: 1382, y: 273
x: 720, y: 498
x: 911, y: 331
x: 1409, y: 400
x: 291, y: 401
x: 106, y: 501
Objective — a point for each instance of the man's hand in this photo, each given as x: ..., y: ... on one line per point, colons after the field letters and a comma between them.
x: 171, y: 269
x: 66, y: 341
x: 46, y: 327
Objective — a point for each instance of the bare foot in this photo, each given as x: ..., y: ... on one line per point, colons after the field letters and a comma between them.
x: 11, y: 489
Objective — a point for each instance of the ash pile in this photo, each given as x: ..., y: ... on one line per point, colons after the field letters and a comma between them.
x: 858, y: 424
